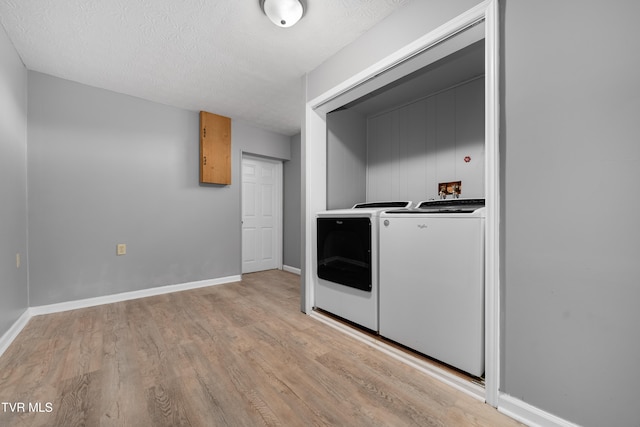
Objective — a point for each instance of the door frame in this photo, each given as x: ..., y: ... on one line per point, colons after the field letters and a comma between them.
x: 278, y: 205
x: 315, y: 174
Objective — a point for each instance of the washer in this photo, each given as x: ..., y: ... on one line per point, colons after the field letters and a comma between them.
x: 347, y: 262
x: 432, y: 280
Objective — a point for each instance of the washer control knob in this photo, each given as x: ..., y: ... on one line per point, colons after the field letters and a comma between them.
x: 386, y: 222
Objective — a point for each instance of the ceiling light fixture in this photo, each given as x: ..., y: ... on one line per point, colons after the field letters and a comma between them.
x: 283, y: 13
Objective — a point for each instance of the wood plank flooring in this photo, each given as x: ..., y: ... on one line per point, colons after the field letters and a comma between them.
x: 239, y: 354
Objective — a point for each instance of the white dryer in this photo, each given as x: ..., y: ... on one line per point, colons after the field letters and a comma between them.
x: 347, y: 262
x: 432, y: 280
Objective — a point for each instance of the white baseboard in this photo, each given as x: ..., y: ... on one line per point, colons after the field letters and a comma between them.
x: 290, y: 269
x: 14, y: 330
x: 529, y: 414
x: 125, y: 296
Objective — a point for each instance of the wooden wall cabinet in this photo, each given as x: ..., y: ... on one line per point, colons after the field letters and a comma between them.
x: 215, y: 149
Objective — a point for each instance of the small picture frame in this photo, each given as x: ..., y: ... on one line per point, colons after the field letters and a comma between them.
x: 453, y: 188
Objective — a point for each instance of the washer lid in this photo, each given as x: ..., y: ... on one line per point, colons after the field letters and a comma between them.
x: 370, y: 205
x: 444, y: 207
x: 452, y: 203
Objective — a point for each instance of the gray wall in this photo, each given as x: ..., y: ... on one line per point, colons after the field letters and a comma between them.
x: 292, y: 206
x: 106, y: 168
x: 252, y: 140
x: 571, y: 108
x: 13, y: 184
x: 346, y: 159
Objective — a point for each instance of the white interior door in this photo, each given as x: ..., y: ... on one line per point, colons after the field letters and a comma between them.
x: 261, y: 214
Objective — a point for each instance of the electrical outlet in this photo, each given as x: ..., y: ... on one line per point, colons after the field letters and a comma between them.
x: 121, y: 249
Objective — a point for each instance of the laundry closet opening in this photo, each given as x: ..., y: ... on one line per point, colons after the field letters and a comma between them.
x: 398, y: 137
x: 400, y: 141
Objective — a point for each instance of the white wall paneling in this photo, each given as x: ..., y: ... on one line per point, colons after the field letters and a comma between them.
x: 414, y: 147
x: 470, y: 138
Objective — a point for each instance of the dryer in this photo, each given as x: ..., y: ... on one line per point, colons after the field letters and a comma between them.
x: 347, y: 262
x: 432, y: 280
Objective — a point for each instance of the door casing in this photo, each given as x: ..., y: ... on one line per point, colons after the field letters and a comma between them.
x: 277, y: 211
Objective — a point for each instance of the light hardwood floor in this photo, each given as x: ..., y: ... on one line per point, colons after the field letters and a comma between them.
x: 239, y: 354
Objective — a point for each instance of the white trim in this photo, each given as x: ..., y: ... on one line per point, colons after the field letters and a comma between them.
x: 315, y: 162
x: 290, y: 269
x: 315, y: 166
x: 492, y: 194
x: 126, y: 296
x: 528, y: 414
x: 280, y: 219
x: 14, y: 330
x: 406, y: 52
x: 468, y: 387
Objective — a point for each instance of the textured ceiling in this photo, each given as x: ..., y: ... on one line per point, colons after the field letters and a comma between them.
x: 222, y: 56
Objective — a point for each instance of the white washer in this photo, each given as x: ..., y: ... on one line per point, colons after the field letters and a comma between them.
x: 432, y: 280
x: 346, y: 264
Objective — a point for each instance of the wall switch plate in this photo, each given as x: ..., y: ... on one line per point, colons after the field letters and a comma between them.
x: 121, y: 249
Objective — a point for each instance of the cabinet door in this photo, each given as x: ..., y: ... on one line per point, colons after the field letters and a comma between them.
x: 215, y: 148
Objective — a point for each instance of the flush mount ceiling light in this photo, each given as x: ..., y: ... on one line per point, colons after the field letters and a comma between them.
x: 283, y: 13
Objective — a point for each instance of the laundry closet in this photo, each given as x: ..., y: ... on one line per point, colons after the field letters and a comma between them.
x: 401, y: 141
x: 412, y: 275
